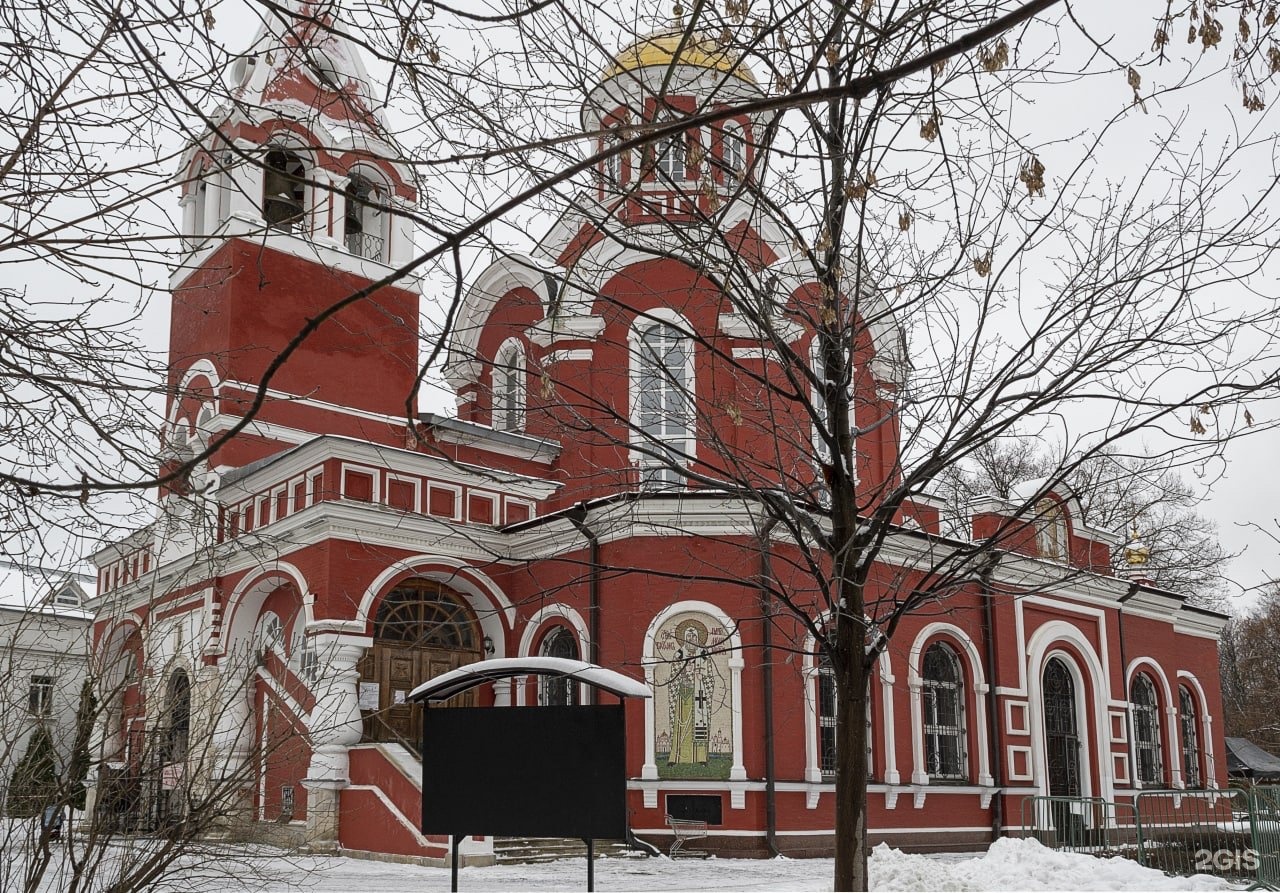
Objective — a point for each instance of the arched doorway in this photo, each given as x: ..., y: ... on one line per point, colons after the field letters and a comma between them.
x: 1061, y: 730
x: 422, y: 629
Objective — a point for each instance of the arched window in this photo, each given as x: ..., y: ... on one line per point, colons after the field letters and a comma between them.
x: 284, y: 190
x: 201, y: 206
x: 364, y: 223
x: 662, y: 400
x: 1190, y: 737
x: 827, y: 706
x: 942, y: 690
x: 270, y: 634
x: 424, y: 614
x: 611, y: 167
x: 177, y: 726
x: 827, y: 718
x: 1051, y: 530
x: 509, y: 387
x: 733, y: 155
x: 671, y: 155
x: 1146, y: 730
x: 558, y: 691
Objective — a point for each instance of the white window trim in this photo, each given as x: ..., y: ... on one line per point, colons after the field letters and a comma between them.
x: 509, y: 357
x: 732, y: 132
x: 292, y: 487
x: 635, y: 353
x: 274, y: 496
x: 1084, y: 688
x: 888, y: 758
x: 405, y: 479
x: 376, y: 495
x: 818, y: 399
x: 458, y: 508
x: 1206, y: 727
x: 1171, y: 742
x: 315, y: 474
x: 552, y: 615
x: 494, y: 503
x: 509, y: 501
x: 971, y: 666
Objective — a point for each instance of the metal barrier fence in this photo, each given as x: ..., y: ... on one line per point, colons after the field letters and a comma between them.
x: 1080, y: 825
x: 1231, y: 833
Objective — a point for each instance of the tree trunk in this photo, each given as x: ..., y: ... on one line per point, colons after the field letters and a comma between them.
x: 851, y: 755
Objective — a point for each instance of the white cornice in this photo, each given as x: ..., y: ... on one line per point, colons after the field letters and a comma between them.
x: 332, y: 446
x: 254, y: 231
x: 548, y: 332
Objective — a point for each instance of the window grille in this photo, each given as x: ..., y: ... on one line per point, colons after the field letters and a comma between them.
x: 943, y: 706
x: 1190, y: 738
x: 1146, y: 731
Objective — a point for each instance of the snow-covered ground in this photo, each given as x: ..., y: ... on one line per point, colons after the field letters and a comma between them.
x: 1009, y: 865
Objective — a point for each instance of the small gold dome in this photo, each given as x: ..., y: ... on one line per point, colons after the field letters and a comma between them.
x: 1136, y: 552
x: 659, y: 49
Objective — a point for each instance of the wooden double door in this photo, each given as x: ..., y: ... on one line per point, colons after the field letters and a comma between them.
x: 387, y: 675
x: 423, y: 630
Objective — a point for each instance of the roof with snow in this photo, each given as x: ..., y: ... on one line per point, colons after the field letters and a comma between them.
x: 32, y: 586
x: 457, y: 681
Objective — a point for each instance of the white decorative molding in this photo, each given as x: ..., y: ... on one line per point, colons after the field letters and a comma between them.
x: 1014, y: 753
x: 558, y: 356
x: 1013, y: 726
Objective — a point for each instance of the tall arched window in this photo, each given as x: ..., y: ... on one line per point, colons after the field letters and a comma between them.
x: 558, y: 691
x: 827, y: 718
x: 509, y: 387
x: 611, y: 168
x: 733, y: 155
x: 177, y: 729
x: 671, y: 155
x: 662, y: 400
x: 942, y: 689
x: 1146, y: 730
x: 1190, y: 737
x: 364, y: 223
x: 1051, y: 530
x: 284, y: 190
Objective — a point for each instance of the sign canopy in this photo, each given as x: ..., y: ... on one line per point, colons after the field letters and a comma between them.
x: 446, y: 685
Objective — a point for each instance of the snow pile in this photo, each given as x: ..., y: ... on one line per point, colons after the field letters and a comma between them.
x: 1024, y: 864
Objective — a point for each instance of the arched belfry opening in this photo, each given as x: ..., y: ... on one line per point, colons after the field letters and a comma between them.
x: 422, y: 629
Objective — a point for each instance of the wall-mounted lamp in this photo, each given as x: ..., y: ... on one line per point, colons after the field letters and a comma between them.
x: 487, y: 644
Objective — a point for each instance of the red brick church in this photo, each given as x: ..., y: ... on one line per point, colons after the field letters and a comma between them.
x: 265, y: 629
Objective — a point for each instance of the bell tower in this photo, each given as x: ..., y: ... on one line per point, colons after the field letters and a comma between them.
x: 293, y: 204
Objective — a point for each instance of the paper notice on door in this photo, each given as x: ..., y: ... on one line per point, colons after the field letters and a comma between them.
x: 397, y: 696
x: 369, y: 692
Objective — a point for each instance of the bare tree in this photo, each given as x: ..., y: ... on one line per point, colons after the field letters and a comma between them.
x: 935, y: 287
x: 1139, y: 496
x: 954, y: 269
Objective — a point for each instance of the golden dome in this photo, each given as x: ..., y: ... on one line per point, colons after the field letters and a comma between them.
x: 659, y: 49
x: 1136, y: 552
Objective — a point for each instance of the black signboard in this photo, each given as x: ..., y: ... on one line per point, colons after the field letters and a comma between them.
x: 524, y: 771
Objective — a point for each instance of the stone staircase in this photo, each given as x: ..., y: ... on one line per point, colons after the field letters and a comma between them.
x: 549, y: 849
